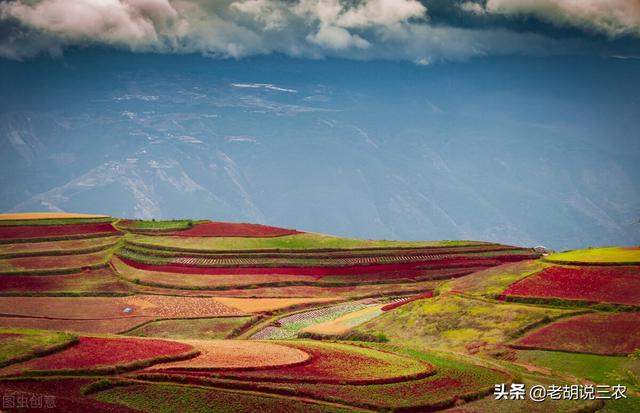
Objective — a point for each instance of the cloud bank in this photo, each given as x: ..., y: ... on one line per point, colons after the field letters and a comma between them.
x: 611, y: 17
x: 360, y: 29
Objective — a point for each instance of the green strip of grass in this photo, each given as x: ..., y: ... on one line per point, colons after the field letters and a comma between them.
x: 595, y: 256
x: 54, y: 221
x: 600, y: 369
x: 160, y: 398
x: 175, y: 224
x: 287, y: 242
x: 18, y: 344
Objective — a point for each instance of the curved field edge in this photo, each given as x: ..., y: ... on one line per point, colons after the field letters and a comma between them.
x: 470, y: 382
x: 18, y: 344
x: 17, y: 370
x: 338, y: 363
x: 228, y: 356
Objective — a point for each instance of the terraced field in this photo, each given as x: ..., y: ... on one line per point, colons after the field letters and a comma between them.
x: 190, y: 315
x: 457, y: 323
x: 610, y: 284
x: 604, y: 333
x: 94, y: 354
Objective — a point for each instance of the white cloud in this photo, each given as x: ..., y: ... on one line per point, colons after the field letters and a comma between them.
x: 473, y: 7
x: 611, y: 17
x: 267, y: 86
x: 359, y: 29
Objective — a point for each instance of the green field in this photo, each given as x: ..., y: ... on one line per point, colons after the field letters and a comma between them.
x: 293, y: 242
x: 161, y: 398
x: 609, y: 255
x: 53, y: 221
x: 19, y: 343
x: 168, y: 225
x: 600, y: 369
x: 457, y: 323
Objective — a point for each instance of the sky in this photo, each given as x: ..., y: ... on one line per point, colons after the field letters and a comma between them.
x: 502, y: 120
x: 418, y: 31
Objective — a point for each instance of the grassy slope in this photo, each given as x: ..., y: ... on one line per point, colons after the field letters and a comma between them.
x: 52, y: 218
x: 162, y: 398
x: 493, y: 281
x: 607, y: 255
x: 490, y: 404
x: 160, y: 225
x: 205, y: 328
x: 456, y: 323
x: 18, y: 342
x: 297, y: 241
x: 600, y: 369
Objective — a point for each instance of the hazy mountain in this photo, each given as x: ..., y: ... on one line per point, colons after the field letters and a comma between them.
x: 519, y: 150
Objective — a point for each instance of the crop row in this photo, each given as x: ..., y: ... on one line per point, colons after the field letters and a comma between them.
x: 203, y: 262
x: 288, y: 327
x: 399, y: 302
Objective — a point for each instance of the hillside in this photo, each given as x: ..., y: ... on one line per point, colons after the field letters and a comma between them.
x: 112, y: 315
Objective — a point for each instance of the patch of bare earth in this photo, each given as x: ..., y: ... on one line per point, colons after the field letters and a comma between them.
x: 237, y: 354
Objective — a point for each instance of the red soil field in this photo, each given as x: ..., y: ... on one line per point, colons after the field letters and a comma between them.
x: 104, y: 308
x: 226, y: 229
x: 45, y: 231
x: 612, y: 334
x: 237, y: 354
x: 314, y: 271
x: 62, y: 394
x: 91, y: 352
x: 101, y: 280
x: 24, y: 264
x: 617, y: 285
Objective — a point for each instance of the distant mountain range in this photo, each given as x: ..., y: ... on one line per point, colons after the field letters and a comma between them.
x: 519, y: 151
